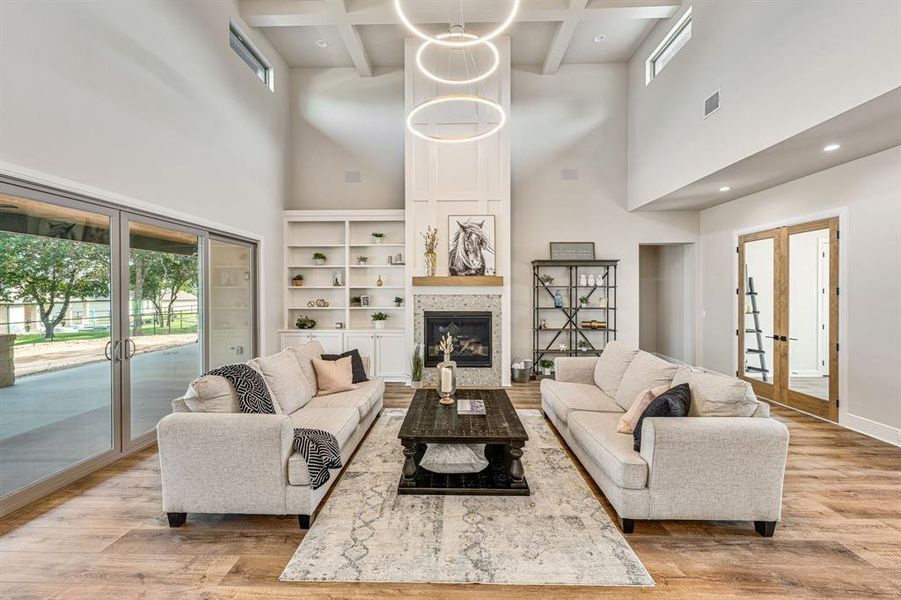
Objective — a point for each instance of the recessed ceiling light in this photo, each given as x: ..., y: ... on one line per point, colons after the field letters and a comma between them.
x: 831, y: 147
x: 322, y: 43
x: 599, y: 38
x: 725, y: 188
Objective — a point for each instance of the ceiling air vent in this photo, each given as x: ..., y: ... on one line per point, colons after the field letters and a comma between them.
x: 712, y: 104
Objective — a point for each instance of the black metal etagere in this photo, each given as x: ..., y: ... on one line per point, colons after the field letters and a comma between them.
x: 546, y: 340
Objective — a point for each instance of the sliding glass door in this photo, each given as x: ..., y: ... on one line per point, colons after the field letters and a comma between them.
x: 788, y: 315
x: 106, y: 316
x: 58, y: 332
x: 162, y: 347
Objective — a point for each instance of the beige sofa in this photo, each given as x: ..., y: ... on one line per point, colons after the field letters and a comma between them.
x: 725, y: 461
x: 229, y: 462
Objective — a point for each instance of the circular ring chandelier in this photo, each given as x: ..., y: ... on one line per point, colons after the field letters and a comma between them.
x: 433, y: 77
x: 456, y: 98
x: 458, y: 43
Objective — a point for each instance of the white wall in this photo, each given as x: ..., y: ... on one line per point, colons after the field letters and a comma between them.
x: 868, y: 191
x: 782, y: 67
x: 666, y: 300
x: 343, y: 122
x: 145, y: 102
x: 576, y: 119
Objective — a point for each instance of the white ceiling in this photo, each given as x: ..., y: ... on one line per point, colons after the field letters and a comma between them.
x: 367, y: 33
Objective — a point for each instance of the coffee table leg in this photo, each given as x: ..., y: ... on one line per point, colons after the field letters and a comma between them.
x: 409, y: 464
x: 516, y: 471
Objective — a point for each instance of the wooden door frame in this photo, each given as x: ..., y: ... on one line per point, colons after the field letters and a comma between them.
x: 779, y: 390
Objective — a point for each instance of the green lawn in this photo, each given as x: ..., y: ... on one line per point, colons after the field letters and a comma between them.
x: 186, y: 324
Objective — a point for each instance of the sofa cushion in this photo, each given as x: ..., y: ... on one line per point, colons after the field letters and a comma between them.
x: 333, y: 376
x: 212, y: 393
x: 628, y: 421
x: 611, y: 367
x: 339, y: 421
x: 287, y: 384
x: 566, y: 397
x: 305, y: 353
x: 674, y: 402
x: 612, y: 451
x: 363, y: 398
x: 645, y: 371
x: 716, y: 395
x: 359, y: 369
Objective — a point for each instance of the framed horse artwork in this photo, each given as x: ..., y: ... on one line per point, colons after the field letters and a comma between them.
x: 471, y: 245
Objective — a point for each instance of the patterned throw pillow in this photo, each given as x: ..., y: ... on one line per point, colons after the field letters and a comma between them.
x: 674, y: 402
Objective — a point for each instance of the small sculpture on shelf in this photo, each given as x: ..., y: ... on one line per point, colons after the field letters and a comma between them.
x: 305, y: 322
x: 337, y: 278
x: 379, y: 282
x: 318, y: 303
x: 561, y: 347
x: 297, y: 280
x: 591, y: 281
x: 583, y: 280
x: 319, y: 258
x: 431, y: 250
x: 542, y: 324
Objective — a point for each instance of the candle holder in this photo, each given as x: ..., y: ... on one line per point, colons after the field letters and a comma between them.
x: 447, y: 380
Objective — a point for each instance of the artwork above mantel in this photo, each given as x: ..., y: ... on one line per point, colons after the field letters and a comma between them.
x: 462, y: 280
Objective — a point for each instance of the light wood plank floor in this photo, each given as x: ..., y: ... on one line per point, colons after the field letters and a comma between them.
x: 106, y: 537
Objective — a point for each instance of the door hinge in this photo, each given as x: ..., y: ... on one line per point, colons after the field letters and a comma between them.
x: 836, y: 290
x: 736, y: 332
x: 836, y: 346
x: 736, y: 291
x: 736, y: 249
x: 837, y: 234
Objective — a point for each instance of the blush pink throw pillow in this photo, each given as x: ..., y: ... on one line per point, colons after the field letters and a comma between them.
x: 629, y: 419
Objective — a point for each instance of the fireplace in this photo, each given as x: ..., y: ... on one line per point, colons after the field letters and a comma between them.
x: 472, y: 337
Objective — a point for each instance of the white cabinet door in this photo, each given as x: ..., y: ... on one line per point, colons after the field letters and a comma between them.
x: 363, y: 341
x: 391, y: 356
x: 292, y: 340
x: 332, y: 341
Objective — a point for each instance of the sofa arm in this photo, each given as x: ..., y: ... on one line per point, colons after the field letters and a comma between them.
x: 575, y: 369
x: 706, y: 468
x: 224, y: 462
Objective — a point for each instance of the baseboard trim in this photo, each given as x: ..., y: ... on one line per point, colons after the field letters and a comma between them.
x: 872, y: 428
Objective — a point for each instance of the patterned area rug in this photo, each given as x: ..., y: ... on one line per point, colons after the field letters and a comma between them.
x: 560, y: 535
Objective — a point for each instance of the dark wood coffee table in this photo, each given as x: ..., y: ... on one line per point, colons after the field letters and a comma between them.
x: 428, y: 422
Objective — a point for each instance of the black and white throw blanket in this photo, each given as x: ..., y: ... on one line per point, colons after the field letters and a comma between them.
x: 319, y: 448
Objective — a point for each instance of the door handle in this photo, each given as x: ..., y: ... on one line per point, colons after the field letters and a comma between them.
x: 106, y: 350
x: 129, y: 344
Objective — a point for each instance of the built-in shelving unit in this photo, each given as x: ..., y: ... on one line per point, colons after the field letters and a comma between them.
x: 343, y: 236
x: 555, y: 325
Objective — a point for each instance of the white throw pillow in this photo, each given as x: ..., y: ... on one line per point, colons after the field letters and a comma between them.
x: 287, y: 383
x: 454, y: 458
x: 611, y: 366
x: 212, y: 393
x: 645, y: 371
x: 304, y: 354
x: 716, y: 395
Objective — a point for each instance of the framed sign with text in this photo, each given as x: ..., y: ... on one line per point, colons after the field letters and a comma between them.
x: 572, y: 250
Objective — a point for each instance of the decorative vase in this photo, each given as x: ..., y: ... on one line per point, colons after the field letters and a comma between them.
x: 602, y: 302
x: 431, y: 262
x: 379, y: 282
x: 416, y: 384
x: 298, y: 282
x: 377, y: 240
x: 378, y: 324
x: 583, y: 280
x: 558, y: 299
x: 319, y: 261
x: 447, y: 380
x: 591, y: 281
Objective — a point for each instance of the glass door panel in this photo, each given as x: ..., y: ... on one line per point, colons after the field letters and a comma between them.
x: 757, y: 321
x: 57, y: 334
x: 162, y: 347
x: 231, y: 302
x: 808, y: 322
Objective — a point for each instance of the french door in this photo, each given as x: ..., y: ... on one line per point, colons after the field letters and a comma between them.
x: 106, y: 316
x: 788, y: 315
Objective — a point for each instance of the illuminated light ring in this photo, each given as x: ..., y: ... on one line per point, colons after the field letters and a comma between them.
x: 433, y: 77
x: 459, y: 44
x: 456, y: 98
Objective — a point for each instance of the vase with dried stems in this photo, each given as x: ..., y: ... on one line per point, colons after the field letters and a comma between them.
x: 431, y: 250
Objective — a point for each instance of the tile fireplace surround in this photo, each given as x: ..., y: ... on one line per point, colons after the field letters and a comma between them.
x: 466, y: 376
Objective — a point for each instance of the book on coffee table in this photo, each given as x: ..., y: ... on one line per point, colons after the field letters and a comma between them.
x: 466, y: 406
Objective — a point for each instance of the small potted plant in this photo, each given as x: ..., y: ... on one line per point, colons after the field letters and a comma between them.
x: 378, y: 320
x: 547, y: 279
x: 416, y: 368
x: 547, y: 367
x: 583, y: 301
x: 297, y: 280
x: 584, y: 346
x: 356, y: 301
x: 319, y: 258
x: 398, y: 301
x: 378, y: 237
x: 361, y: 260
x: 305, y: 322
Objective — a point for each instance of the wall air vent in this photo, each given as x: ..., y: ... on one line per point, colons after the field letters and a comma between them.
x: 353, y: 177
x: 569, y: 174
x: 712, y: 104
